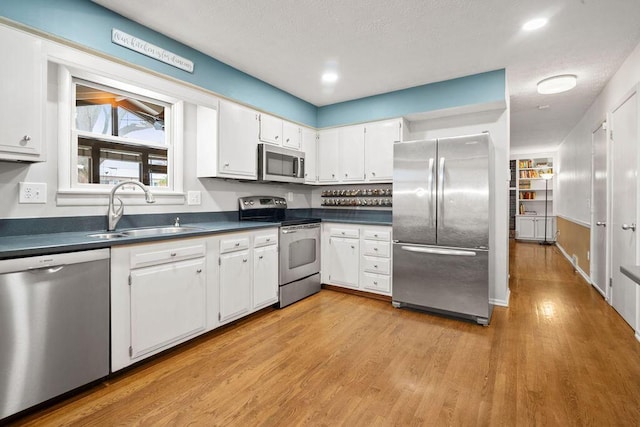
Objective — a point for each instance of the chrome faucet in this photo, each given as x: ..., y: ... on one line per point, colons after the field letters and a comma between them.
x: 116, y: 213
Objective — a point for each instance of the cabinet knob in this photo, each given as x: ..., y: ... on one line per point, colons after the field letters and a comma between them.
x: 26, y: 138
x: 333, y: 175
x: 287, y: 139
x: 375, y: 235
x: 226, y: 165
x: 173, y: 254
x: 373, y: 173
x: 346, y: 175
x: 277, y: 137
x: 199, y: 270
x: 375, y: 266
x: 260, y: 257
x: 375, y: 249
x: 244, y: 260
x: 269, y: 239
x: 353, y: 247
x: 375, y: 283
x: 237, y: 244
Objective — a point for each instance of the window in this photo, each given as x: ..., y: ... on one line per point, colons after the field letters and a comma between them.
x: 120, y: 136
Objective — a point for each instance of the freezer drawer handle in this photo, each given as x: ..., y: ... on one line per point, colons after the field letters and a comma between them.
x: 454, y: 252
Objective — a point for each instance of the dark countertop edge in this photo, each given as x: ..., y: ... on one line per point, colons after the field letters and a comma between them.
x: 78, y: 241
x: 358, y: 221
x: 632, y: 272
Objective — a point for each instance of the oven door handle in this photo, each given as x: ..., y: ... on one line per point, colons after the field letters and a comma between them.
x: 289, y: 231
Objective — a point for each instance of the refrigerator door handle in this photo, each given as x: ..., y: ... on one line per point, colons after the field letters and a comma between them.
x: 438, y: 251
x: 430, y: 184
x: 441, y: 193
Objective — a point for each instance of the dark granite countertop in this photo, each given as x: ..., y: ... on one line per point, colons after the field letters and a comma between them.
x: 632, y: 272
x: 42, y: 236
x: 50, y: 243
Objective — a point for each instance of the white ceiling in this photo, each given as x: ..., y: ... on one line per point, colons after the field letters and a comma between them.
x: 378, y: 46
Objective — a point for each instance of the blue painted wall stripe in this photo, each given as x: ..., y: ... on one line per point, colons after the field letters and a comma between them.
x: 475, y: 89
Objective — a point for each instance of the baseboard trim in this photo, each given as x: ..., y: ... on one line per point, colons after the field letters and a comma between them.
x: 357, y: 292
x: 501, y: 302
x: 584, y: 275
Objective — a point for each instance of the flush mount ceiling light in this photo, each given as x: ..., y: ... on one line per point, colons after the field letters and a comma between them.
x: 557, y: 84
x: 329, y: 77
x: 534, y: 24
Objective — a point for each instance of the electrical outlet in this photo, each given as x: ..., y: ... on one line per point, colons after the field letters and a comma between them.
x: 194, y: 198
x: 33, y: 192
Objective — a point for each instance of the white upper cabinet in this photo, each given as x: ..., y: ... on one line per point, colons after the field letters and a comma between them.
x: 290, y: 135
x: 22, y: 92
x: 235, y: 153
x: 308, y: 142
x: 328, y: 155
x: 378, y: 149
x: 351, y: 153
x: 270, y: 129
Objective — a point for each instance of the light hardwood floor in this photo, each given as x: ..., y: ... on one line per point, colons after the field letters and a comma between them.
x: 559, y: 355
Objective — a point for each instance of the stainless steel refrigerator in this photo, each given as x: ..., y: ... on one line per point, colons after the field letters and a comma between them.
x: 441, y: 226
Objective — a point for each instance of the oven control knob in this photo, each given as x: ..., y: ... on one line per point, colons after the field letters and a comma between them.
x: 246, y: 203
x: 251, y: 202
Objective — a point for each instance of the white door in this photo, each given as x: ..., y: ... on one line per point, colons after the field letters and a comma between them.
x: 624, y: 122
x: 308, y: 142
x: 167, y: 304
x: 265, y: 276
x: 238, y: 139
x: 599, y: 211
x: 344, y: 255
x: 352, y: 153
x: 378, y: 150
x: 235, y: 284
x: 328, y: 154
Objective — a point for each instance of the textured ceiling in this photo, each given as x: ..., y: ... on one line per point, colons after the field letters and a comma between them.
x: 378, y: 46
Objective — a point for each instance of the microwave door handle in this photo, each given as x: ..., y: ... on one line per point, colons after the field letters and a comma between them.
x: 296, y: 166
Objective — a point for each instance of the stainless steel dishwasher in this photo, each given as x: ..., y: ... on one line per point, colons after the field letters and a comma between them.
x: 54, y: 326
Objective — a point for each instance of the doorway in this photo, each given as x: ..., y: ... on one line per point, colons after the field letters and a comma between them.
x: 599, y: 210
x: 624, y: 139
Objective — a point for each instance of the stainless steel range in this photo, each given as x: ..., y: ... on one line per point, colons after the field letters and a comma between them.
x: 299, y: 264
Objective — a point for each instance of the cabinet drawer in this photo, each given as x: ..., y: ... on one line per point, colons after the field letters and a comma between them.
x: 265, y: 240
x: 230, y: 245
x: 161, y: 256
x: 345, y: 232
x: 376, y: 265
x: 377, y: 248
x: 377, y: 235
x: 376, y: 282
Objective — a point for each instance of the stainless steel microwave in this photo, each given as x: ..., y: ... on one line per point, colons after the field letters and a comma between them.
x: 280, y: 164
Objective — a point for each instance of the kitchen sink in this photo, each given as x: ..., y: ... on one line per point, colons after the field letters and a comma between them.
x: 158, y: 231
x: 142, y: 232
x: 108, y: 235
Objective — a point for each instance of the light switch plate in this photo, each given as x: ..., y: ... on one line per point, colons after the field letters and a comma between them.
x: 33, y: 192
x: 194, y: 198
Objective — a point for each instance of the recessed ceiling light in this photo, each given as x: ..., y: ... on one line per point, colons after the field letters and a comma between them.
x: 329, y: 77
x: 557, y: 84
x: 535, y: 24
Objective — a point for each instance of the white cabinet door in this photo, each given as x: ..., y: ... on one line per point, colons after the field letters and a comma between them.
x: 344, y: 256
x: 265, y: 276
x: 525, y: 227
x: 270, y: 129
x: 238, y: 141
x: 308, y: 145
x: 328, y: 155
x: 290, y: 135
x: 235, y: 284
x: 21, y: 110
x: 167, y: 304
x: 378, y: 150
x: 540, y: 231
x: 352, y: 153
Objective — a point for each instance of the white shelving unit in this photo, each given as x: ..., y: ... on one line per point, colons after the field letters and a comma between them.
x: 531, y: 196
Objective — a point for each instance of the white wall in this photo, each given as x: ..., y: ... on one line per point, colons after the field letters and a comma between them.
x: 574, y: 158
x: 496, y: 122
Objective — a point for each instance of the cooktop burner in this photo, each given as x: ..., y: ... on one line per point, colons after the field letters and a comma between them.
x: 270, y: 209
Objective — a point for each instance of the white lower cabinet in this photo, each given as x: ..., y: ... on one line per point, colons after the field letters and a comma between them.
x: 167, y: 304
x: 533, y: 228
x: 265, y: 276
x: 165, y: 293
x: 158, y: 297
x: 357, y: 257
x: 235, y: 285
